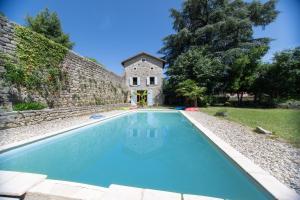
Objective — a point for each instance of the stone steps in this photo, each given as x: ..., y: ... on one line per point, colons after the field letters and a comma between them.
x: 29, y: 186
x: 62, y: 190
x: 17, y: 184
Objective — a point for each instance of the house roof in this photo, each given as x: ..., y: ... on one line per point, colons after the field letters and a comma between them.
x: 143, y: 53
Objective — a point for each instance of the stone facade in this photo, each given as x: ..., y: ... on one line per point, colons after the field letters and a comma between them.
x: 144, y: 72
x: 88, y: 83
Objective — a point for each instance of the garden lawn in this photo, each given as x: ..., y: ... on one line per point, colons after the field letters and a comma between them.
x: 284, y: 123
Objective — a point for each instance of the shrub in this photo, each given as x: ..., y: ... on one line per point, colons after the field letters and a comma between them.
x: 28, y: 106
x: 219, y: 99
x: 205, y: 101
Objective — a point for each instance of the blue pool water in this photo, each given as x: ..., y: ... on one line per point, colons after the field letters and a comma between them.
x: 158, y: 150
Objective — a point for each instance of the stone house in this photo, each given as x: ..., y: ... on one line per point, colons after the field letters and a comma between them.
x: 144, y: 78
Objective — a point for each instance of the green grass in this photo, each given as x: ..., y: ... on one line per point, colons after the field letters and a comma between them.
x: 284, y: 123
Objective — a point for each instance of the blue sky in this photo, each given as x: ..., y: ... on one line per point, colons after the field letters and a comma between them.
x: 113, y: 30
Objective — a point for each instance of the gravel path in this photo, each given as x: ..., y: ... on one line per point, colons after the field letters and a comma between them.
x: 280, y: 159
x: 12, y: 135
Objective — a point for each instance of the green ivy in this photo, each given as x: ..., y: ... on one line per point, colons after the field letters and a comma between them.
x: 28, y: 106
x: 39, y: 60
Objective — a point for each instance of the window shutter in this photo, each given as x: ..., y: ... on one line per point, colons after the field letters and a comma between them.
x: 130, y: 81
x: 155, y: 80
x: 138, y: 81
x: 148, y: 80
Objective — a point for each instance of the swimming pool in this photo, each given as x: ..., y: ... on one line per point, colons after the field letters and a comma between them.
x: 158, y: 150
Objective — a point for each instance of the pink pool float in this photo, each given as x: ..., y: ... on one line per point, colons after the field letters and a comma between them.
x: 192, y: 109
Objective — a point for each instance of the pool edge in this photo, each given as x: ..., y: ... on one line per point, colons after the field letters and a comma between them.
x: 277, y: 189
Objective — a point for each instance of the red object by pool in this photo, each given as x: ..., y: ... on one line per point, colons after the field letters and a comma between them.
x: 192, y: 109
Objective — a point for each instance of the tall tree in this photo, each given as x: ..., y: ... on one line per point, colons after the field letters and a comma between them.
x: 49, y: 25
x: 224, y: 28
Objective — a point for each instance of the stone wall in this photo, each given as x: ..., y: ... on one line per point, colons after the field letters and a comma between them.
x: 87, y: 84
x: 7, y: 46
x: 22, y: 118
x: 90, y: 84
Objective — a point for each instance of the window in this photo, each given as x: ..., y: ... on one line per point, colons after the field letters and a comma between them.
x: 134, y: 81
x: 134, y: 132
x: 152, y: 80
x: 151, y: 68
x: 152, y: 133
x: 143, y: 59
x: 134, y: 68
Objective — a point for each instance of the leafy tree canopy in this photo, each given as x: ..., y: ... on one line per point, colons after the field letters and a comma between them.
x: 190, y: 90
x: 282, y: 77
x: 223, y: 29
x: 49, y: 25
x: 197, y: 65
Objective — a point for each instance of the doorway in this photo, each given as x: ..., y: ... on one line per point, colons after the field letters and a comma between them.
x: 141, y: 97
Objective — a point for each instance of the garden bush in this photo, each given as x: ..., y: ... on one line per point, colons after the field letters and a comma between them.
x: 28, y: 106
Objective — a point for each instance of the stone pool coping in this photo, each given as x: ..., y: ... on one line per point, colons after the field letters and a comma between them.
x: 277, y: 189
x: 37, y: 187
x: 263, y: 178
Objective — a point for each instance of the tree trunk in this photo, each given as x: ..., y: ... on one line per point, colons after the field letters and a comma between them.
x: 241, y: 98
x: 255, y: 98
x: 195, y: 103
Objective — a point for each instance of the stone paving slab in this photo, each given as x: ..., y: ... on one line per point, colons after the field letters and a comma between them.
x: 118, y: 192
x: 17, y: 183
x: 8, y: 198
x: 63, y: 190
x: 160, y: 195
x: 197, y: 197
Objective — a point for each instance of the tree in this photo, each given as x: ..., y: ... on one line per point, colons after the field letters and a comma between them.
x: 244, y: 71
x: 195, y: 64
x: 190, y: 90
x: 224, y: 29
x: 281, y: 79
x: 48, y: 24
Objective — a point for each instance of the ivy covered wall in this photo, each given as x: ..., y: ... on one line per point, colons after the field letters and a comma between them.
x: 34, y: 68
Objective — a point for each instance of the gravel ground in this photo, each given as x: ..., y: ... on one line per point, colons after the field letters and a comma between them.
x: 12, y: 135
x: 280, y: 159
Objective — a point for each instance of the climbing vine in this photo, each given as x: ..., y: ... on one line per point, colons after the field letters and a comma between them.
x: 38, y: 64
